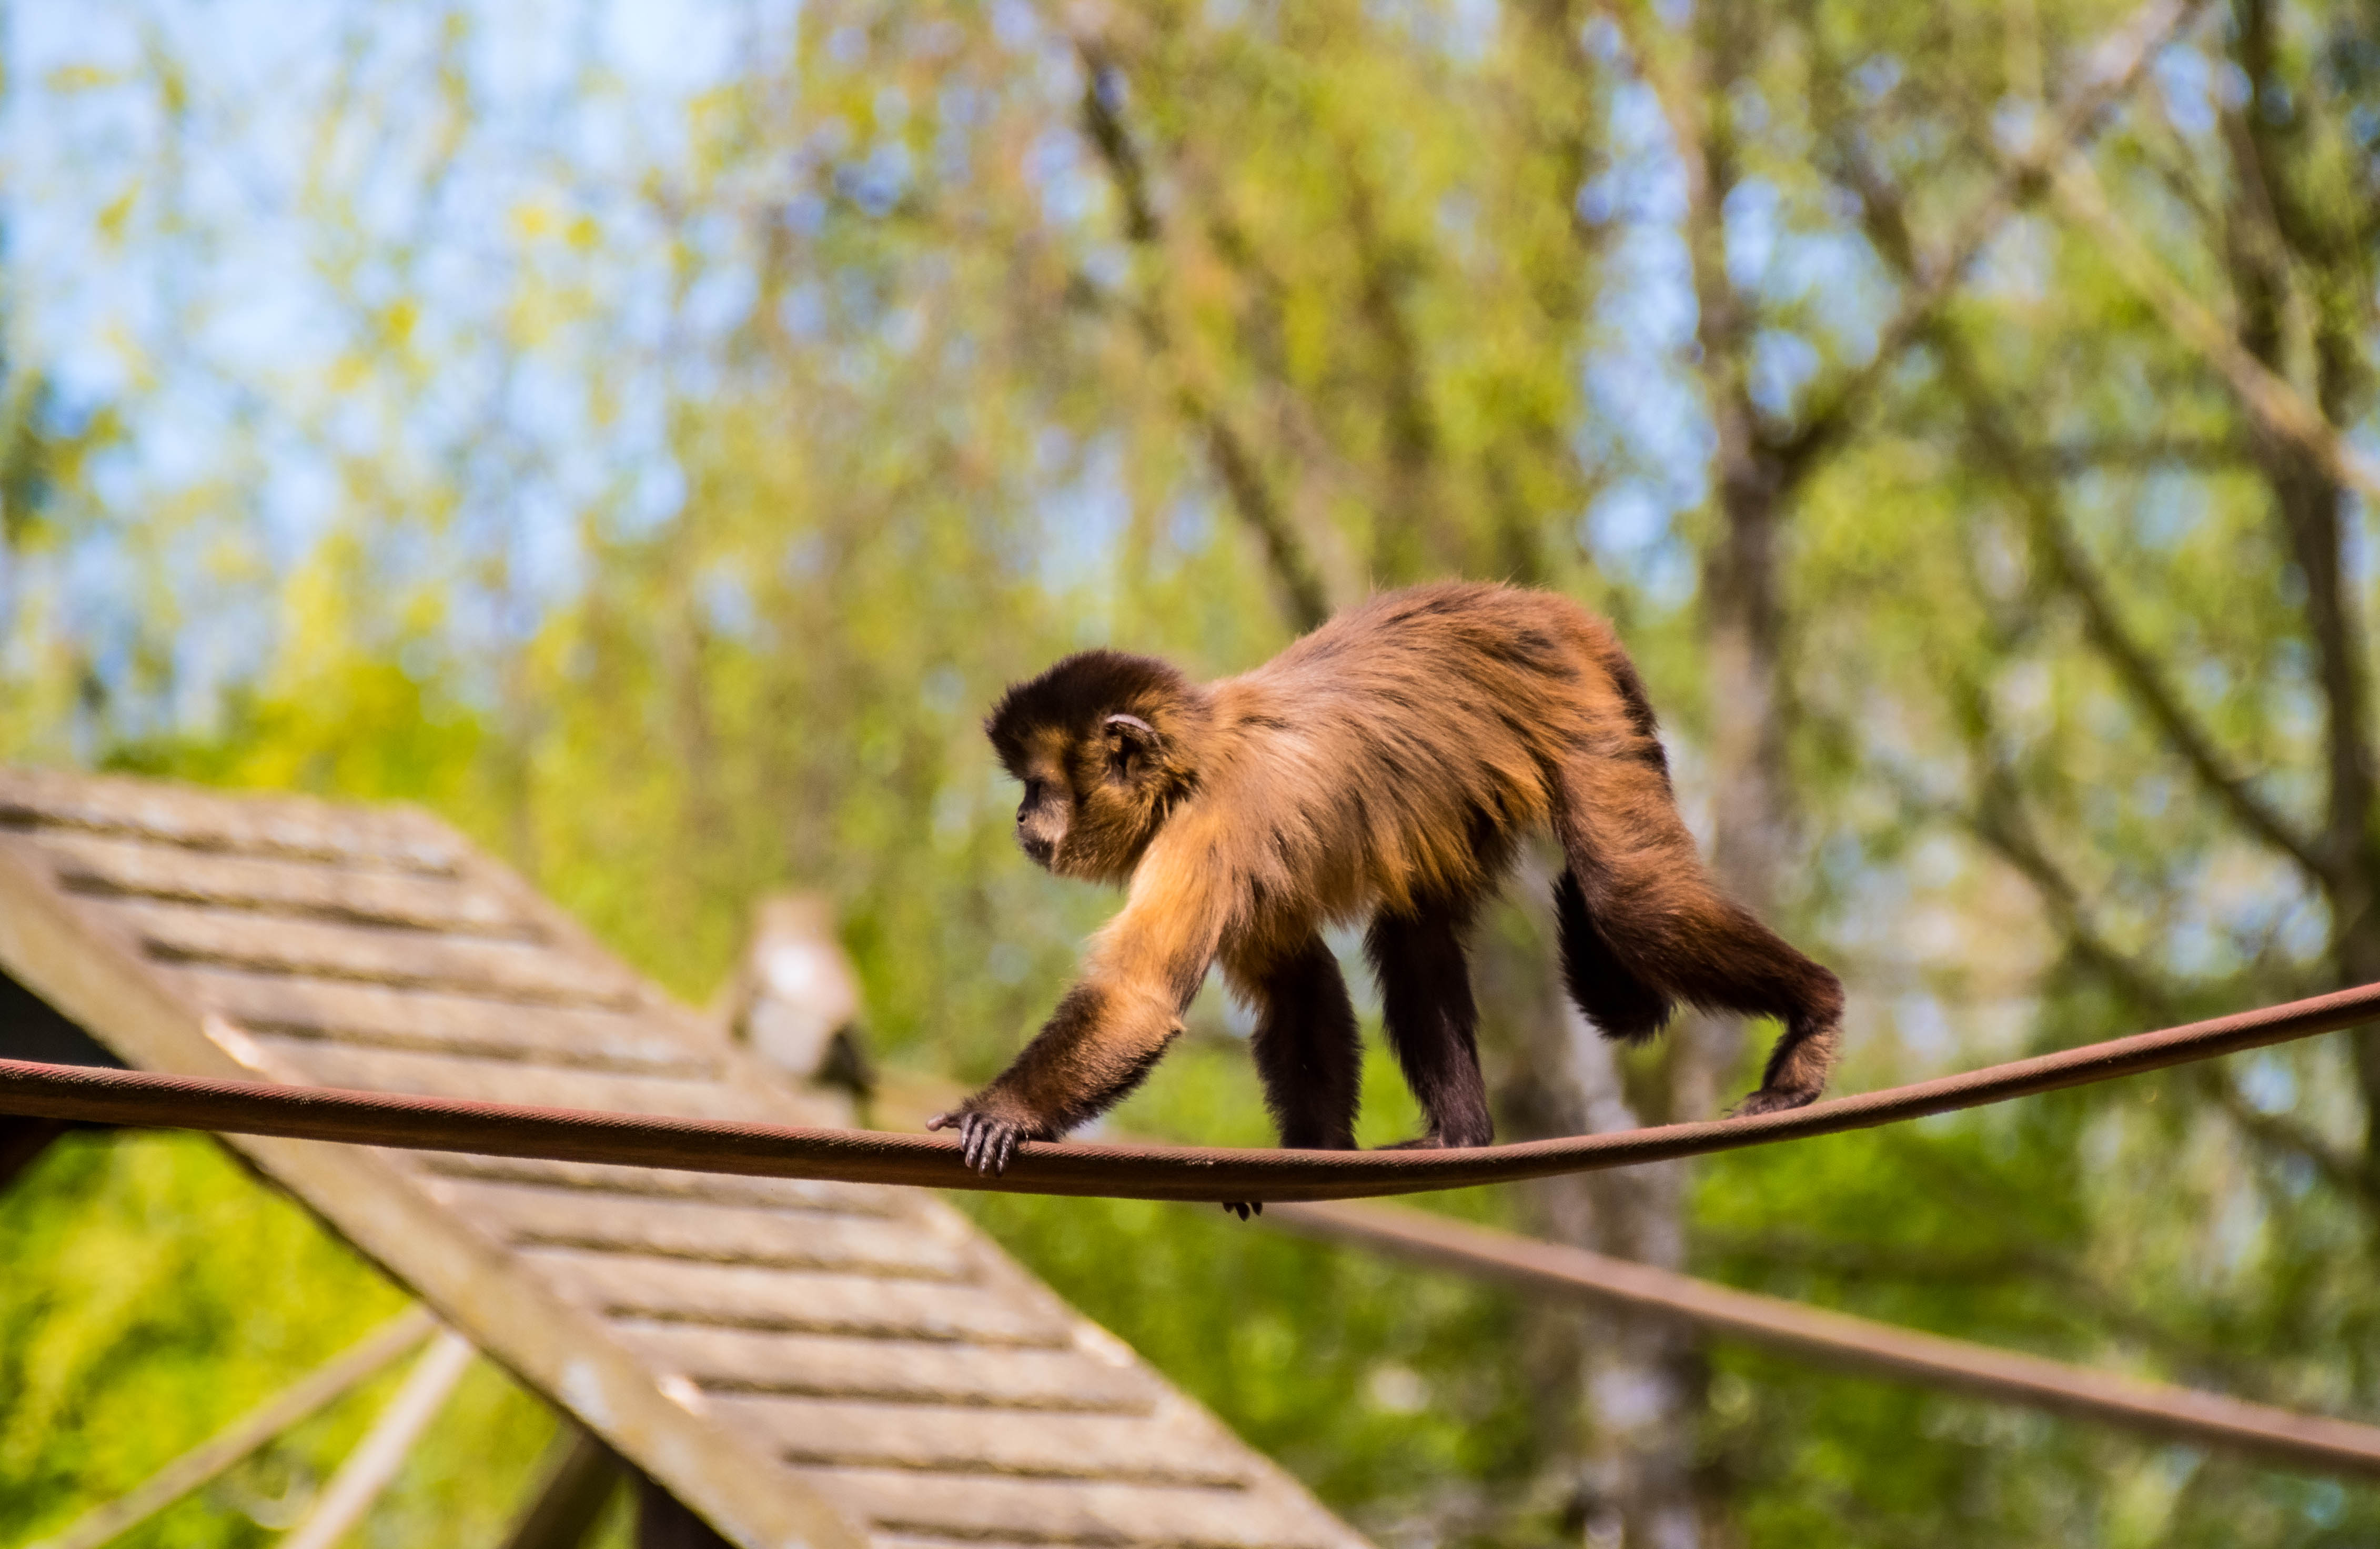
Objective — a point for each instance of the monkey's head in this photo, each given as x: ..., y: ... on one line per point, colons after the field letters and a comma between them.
x: 1102, y: 743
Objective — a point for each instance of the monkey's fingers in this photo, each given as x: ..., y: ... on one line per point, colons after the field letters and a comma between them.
x: 943, y: 1121
x: 1244, y: 1208
x: 985, y: 1144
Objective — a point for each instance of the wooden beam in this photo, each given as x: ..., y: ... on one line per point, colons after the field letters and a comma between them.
x: 384, y: 1449
x: 663, y: 1521
x: 23, y: 1141
x: 571, y: 1494
x: 285, y: 1411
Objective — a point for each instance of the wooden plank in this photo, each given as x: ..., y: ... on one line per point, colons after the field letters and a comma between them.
x: 566, y: 932
x: 79, y: 961
x: 1159, y: 1448
x: 556, y: 1345
x: 114, y: 866
x: 898, y: 1371
x: 505, y: 970
x: 668, y: 1183
x: 73, y: 957
x: 288, y: 825
x: 706, y: 1233
x: 541, y: 1309
x: 797, y: 1301
x: 375, y: 1016
x: 504, y: 1081
x: 1074, y: 1511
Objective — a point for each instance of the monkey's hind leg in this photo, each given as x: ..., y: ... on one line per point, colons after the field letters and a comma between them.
x: 1432, y: 1021
x: 1307, y: 1049
x: 1645, y: 892
x: 1622, y: 1006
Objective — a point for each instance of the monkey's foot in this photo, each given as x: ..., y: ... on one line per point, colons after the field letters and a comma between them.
x: 985, y: 1142
x: 1770, y: 1100
x: 1437, y: 1140
x: 1244, y: 1208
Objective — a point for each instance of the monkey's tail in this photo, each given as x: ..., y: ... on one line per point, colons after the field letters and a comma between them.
x: 1619, y: 1003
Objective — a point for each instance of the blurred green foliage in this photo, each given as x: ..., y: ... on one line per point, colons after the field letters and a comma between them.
x: 156, y: 1292
x: 656, y: 470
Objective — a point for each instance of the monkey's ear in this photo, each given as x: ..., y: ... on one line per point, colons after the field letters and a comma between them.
x: 1129, y: 738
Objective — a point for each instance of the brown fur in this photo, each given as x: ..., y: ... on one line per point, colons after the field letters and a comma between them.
x: 1381, y: 769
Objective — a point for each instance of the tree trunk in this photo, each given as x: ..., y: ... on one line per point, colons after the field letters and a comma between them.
x: 1623, y: 1395
x: 2271, y: 233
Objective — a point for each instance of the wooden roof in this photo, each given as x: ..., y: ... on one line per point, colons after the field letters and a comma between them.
x: 801, y: 1363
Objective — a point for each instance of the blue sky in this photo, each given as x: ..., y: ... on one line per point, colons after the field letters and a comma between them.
x: 209, y: 282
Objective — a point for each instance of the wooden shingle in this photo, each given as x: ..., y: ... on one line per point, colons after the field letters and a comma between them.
x: 828, y: 1365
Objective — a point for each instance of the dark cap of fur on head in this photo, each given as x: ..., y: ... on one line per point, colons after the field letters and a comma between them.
x: 1079, y: 693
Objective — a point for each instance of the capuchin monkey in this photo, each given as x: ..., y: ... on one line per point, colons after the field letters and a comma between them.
x: 1383, y: 768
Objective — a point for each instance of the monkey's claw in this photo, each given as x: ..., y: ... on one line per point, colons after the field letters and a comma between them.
x: 989, y: 1142
x: 1435, y: 1138
x: 985, y: 1143
x: 1244, y: 1208
x: 1770, y: 1100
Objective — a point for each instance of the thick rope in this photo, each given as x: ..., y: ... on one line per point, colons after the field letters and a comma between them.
x: 138, y: 1098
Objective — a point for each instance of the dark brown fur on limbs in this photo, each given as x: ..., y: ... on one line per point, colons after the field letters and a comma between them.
x: 1383, y: 768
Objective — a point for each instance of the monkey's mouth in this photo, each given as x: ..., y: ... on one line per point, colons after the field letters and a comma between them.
x: 1040, y: 852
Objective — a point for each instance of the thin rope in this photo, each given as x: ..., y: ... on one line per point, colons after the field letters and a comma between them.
x: 2317, y: 1443
x: 307, y: 1113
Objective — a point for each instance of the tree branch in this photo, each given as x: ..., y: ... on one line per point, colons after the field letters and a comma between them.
x: 1235, y: 465
x: 2070, y: 567
x: 2006, y: 834
x: 2073, y: 570
x: 2068, y: 459
x: 1935, y: 276
x: 2278, y: 408
x: 1998, y: 820
x: 1412, y: 429
x: 2276, y: 1133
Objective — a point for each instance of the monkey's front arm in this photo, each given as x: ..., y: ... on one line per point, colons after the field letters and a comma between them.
x: 1114, y: 1024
